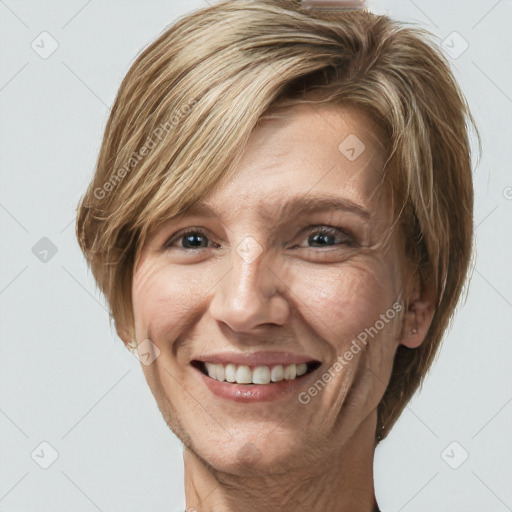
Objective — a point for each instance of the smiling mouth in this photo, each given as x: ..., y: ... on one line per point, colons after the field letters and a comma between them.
x: 244, y: 374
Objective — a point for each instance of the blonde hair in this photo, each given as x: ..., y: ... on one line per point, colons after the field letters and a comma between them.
x: 187, y: 107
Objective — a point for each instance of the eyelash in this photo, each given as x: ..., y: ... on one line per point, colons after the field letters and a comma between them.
x: 349, y: 240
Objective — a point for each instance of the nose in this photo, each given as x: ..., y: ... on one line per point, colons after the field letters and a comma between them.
x: 248, y: 295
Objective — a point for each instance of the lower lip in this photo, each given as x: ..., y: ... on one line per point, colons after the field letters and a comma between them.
x: 254, y: 392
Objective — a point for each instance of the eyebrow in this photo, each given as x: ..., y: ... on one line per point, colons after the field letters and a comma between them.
x: 294, y: 206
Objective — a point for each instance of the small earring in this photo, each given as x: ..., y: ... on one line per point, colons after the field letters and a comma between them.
x: 414, y: 331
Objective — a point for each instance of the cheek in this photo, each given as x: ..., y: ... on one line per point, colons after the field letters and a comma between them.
x: 340, y: 303
x: 162, y: 297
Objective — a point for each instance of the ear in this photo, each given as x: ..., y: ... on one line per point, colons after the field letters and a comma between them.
x: 419, y: 314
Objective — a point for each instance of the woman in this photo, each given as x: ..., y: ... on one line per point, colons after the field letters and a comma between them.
x: 281, y: 221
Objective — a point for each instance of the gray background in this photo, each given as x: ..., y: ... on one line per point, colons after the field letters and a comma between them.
x: 66, y: 378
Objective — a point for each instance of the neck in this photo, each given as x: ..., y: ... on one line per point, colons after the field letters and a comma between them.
x: 341, y: 481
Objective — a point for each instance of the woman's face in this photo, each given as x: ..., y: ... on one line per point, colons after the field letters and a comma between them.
x: 284, y: 269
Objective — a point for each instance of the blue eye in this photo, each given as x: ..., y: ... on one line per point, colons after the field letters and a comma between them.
x: 327, y: 236
x: 191, y: 239
x: 194, y: 240
x: 320, y: 237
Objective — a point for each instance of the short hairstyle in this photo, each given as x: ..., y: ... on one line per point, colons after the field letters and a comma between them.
x: 189, y: 103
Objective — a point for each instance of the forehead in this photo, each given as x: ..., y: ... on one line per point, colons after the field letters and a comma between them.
x: 307, y: 150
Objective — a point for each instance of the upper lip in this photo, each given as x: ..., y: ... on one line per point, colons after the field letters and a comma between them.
x: 255, y: 358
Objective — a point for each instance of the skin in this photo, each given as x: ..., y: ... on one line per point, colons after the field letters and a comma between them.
x: 298, y: 295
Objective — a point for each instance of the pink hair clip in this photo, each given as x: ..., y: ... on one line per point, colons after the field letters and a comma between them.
x: 334, y: 5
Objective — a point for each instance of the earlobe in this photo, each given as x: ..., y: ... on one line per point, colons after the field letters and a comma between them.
x: 418, y: 318
x: 416, y: 324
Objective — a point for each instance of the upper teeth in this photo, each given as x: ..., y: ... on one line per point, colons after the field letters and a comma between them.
x: 259, y: 375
